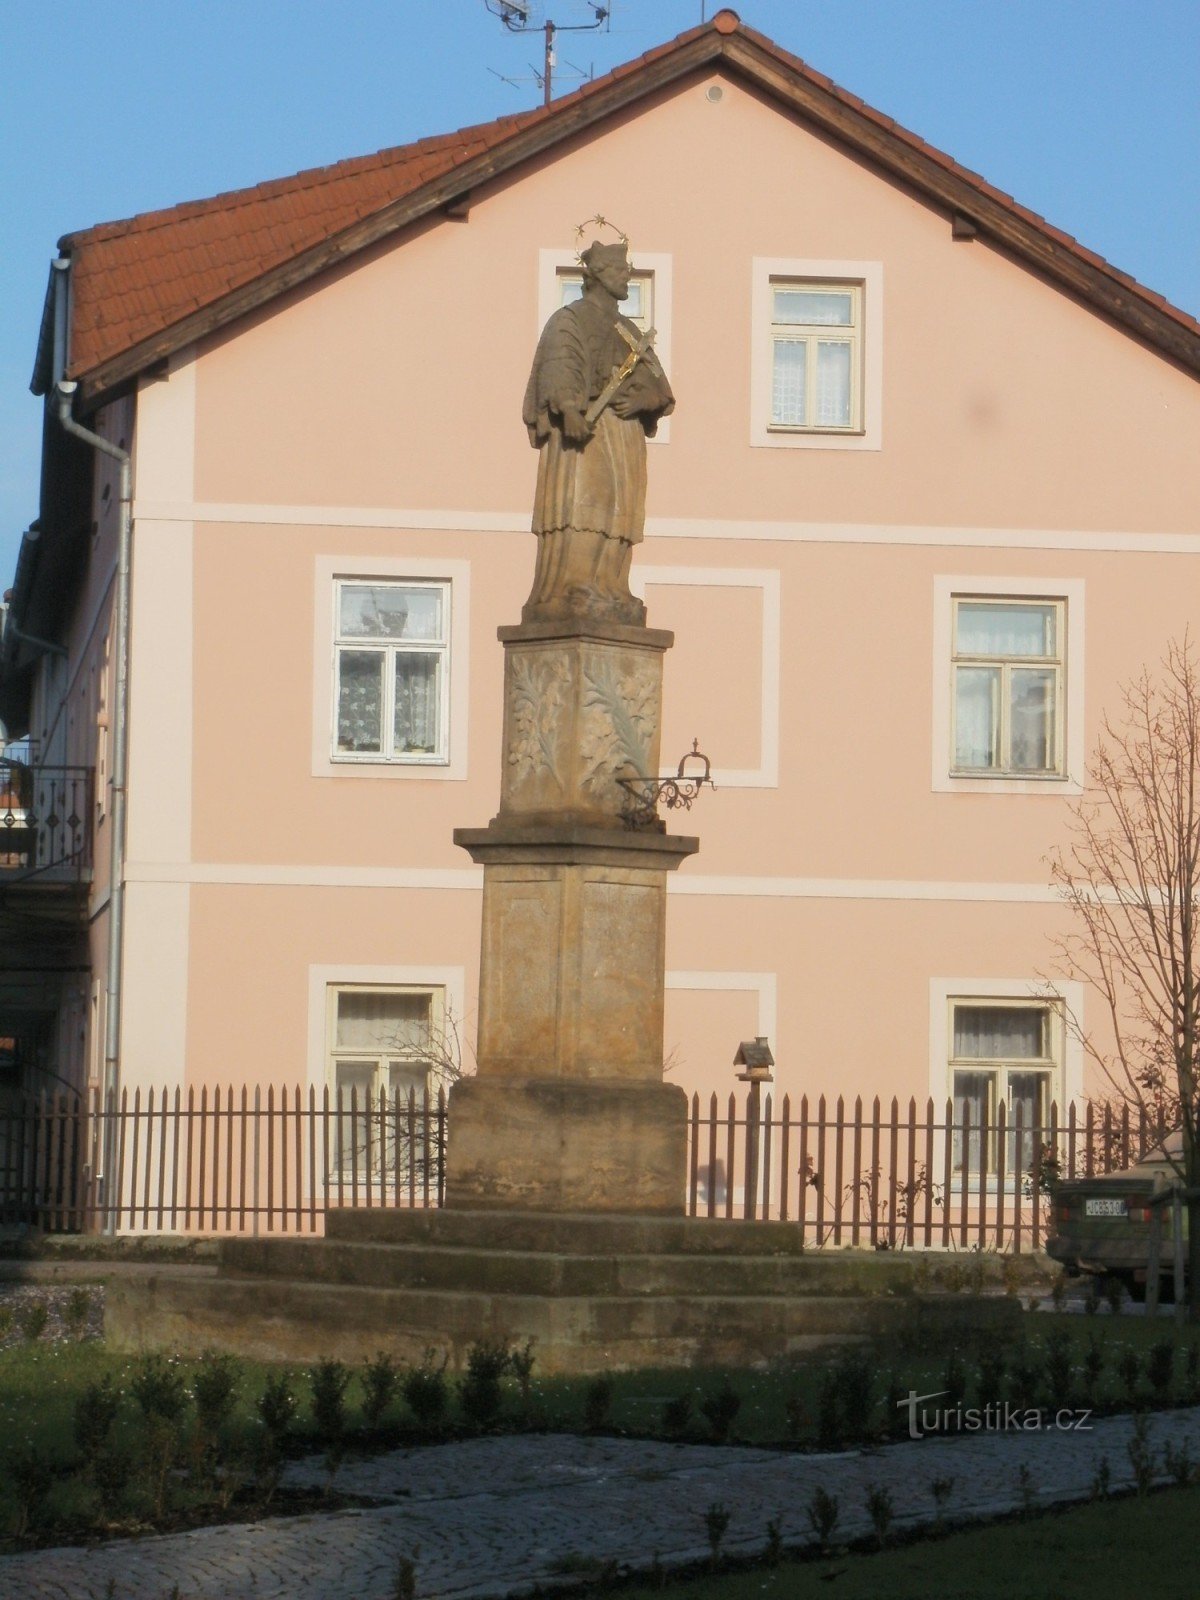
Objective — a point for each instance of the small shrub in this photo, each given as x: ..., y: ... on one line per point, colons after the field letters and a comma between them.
x: 1026, y: 1490
x: 32, y: 1319
x: 880, y: 1509
x: 829, y: 1422
x: 854, y: 1385
x: 1102, y: 1482
x: 479, y: 1393
x: 1091, y: 1299
x: 954, y: 1382
x: 1010, y: 1274
x: 1141, y: 1456
x: 6, y: 1322
x: 30, y: 1474
x: 992, y: 1366
x: 676, y: 1414
x: 406, y: 1576
x: 716, y: 1521
x: 95, y: 1412
x: 380, y: 1380
x: 1178, y: 1461
x: 1114, y: 1294
x: 720, y: 1410
x: 1058, y: 1293
x: 1024, y: 1376
x: 1058, y: 1365
x: 941, y: 1489
x: 773, y: 1549
x: 76, y: 1312
x: 328, y: 1381
x: 161, y: 1394
x: 597, y: 1403
x: 1130, y: 1369
x: 795, y: 1416
x: 823, y: 1515
x: 1160, y: 1367
x: 277, y: 1406
x: 1191, y: 1367
x: 426, y: 1392
x: 1093, y: 1366
x: 521, y: 1361
x: 215, y: 1383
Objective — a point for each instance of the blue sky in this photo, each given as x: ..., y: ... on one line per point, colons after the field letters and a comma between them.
x: 1086, y: 110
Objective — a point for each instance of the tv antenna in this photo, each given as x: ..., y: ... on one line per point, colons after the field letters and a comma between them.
x: 525, y: 16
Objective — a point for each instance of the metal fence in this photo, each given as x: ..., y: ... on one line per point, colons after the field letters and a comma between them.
x: 45, y: 818
x: 217, y: 1161
x: 240, y: 1161
x: 917, y: 1178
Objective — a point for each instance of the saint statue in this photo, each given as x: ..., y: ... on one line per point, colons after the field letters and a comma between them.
x: 596, y: 391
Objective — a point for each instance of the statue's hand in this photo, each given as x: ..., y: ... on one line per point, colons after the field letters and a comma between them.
x: 574, y: 426
x: 625, y: 405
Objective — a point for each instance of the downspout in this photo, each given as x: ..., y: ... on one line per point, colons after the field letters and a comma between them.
x: 64, y: 394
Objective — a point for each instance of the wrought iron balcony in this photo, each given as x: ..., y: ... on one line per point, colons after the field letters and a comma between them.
x: 45, y: 822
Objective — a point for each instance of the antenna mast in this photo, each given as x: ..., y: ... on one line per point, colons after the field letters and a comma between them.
x: 518, y: 17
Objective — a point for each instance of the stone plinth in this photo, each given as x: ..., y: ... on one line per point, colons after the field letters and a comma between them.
x: 582, y: 704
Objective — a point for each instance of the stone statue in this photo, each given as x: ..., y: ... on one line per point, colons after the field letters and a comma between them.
x: 596, y: 391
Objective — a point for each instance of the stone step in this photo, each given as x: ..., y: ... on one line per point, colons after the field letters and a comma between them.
x: 540, y: 1272
x: 563, y: 1233
x: 293, y: 1320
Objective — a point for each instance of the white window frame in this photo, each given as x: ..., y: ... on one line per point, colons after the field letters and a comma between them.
x: 451, y: 762
x: 381, y: 1059
x: 1069, y: 594
x: 1064, y: 996
x: 1005, y: 665
x: 554, y: 265
x: 865, y: 279
x: 388, y: 649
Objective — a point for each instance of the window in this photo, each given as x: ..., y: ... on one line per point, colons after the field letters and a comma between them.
x: 391, y: 671
x: 816, y: 355
x: 381, y: 1045
x: 638, y: 304
x: 1008, y: 1051
x: 1007, y: 671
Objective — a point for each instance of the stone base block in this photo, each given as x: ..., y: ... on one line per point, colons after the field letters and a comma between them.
x: 539, y: 1145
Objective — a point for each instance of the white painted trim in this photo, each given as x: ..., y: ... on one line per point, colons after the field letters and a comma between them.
x: 1072, y: 590
x: 322, y: 876
x: 724, y: 529
x: 941, y: 990
x: 458, y: 574
x: 766, y: 774
x: 870, y: 275
x: 763, y: 984
x: 155, y: 987
x: 656, y: 262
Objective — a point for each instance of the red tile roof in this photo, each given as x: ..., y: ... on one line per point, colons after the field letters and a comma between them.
x: 157, y: 281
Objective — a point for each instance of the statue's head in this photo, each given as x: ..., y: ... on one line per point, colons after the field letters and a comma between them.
x: 608, y: 265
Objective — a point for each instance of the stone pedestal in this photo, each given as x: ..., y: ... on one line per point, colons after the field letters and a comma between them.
x: 568, y: 1111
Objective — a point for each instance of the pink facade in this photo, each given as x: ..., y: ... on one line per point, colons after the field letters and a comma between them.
x: 859, y: 898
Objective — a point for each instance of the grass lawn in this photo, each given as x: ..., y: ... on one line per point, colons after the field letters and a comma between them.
x: 1093, y: 1552
x: 832, y: 1400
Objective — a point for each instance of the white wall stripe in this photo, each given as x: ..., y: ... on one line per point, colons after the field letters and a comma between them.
x: 237, y: 874
x: 724, y: 529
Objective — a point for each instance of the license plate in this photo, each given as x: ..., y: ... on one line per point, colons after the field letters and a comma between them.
x: 1104, y: 1208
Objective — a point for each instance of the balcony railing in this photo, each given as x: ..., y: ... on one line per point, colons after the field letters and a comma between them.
x: 45, y: 821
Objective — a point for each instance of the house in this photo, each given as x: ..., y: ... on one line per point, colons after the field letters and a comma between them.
x: 931, y: 493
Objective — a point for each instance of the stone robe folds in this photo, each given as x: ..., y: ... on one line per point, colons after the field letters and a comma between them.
x: 590, y: 505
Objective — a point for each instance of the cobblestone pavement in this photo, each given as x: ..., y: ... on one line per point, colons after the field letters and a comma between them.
x: 496, y: 1517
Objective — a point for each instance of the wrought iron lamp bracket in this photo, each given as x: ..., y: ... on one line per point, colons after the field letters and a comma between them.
x: 644, y: 795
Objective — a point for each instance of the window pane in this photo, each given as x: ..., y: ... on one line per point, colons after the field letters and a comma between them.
x: 972, y: 1096
x: 1000, y: 1033
x: 976, y: 723
x: 406, y: 1075
x: 1026, y: 1096
x: 415, y: 729
x: 390, y: 611
x: 1031, y: 724
x: 1006, y: 630
x: 353, y: 1136
x: 379, y: 1021
x: 632, y: 305
x: 360, y: 700
x: 833, y: 384
x: 570, y: 288
x: 819, y: 307
x: 635, y: 305
x: 788, y: 381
